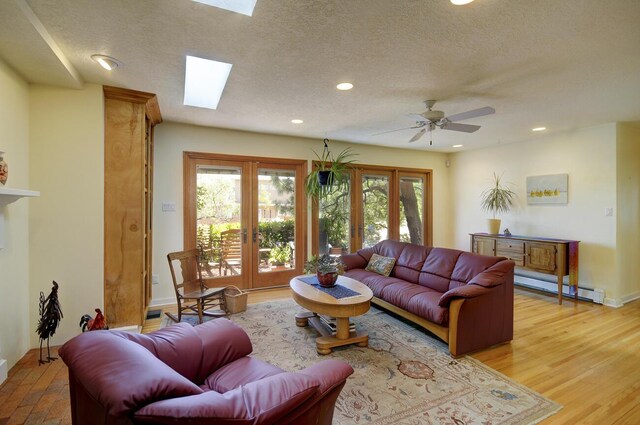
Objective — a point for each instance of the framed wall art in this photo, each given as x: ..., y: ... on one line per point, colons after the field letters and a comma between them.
x: 550, y: 189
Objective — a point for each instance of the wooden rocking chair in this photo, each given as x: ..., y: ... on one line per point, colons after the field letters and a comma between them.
x: 193, y: 296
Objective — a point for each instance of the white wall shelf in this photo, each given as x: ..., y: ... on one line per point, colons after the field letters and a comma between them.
x: 8, y: 196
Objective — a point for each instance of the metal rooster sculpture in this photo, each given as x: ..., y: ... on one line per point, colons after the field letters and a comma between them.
x: 50, y: 316
x: 88, y: 323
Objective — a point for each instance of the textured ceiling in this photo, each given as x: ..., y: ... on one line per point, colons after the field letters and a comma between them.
x: 560, y: 64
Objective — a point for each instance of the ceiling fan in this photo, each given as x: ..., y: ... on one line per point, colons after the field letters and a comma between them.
x: 430, y: 120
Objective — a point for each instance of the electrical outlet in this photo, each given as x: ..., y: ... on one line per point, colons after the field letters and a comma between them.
x: 155, y: 279
x: 168, y: 207
x: 608, y: 212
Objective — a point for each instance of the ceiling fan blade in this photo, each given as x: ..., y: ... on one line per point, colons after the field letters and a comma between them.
x: 418, y: 135
x: 399, y: 129
x: 467, y: 128
x: 487, y: 110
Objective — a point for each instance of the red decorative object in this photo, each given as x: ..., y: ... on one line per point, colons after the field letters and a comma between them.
x: 327, y: 280
x: 87, y: 323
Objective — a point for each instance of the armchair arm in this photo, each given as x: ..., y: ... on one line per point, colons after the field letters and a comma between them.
x: 260, y: 402
x: 330, y: 374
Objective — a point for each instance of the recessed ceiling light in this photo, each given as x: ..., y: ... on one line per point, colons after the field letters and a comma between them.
x: 461, y: 2
x: 457, y: 146
x: 204, y: 82
x: 244, y: 7
x: 297, y: 121
x: 539, y: 129
x: 344, y: 86
x: 106, y: 62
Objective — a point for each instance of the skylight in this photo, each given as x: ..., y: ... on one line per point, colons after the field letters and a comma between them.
x: 244, y: 7
x: 204, y: 82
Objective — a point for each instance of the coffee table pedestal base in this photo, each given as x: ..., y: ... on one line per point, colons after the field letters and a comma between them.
x: 326, y: 342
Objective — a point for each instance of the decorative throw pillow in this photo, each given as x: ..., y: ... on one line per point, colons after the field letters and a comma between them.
x: 381, y: 265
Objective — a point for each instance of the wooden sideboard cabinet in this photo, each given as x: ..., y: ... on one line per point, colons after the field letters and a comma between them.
x: 558, y: 257
x: 130, y: 117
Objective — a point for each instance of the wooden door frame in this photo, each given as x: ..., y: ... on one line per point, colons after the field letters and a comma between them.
x: 191, y: 159
x: 394, y: 194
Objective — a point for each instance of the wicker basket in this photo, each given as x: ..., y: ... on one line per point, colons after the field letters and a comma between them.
x: 235, y: 299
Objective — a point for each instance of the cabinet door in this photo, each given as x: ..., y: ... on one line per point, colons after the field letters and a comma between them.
x: 484, y: 246
x: 541, y: 256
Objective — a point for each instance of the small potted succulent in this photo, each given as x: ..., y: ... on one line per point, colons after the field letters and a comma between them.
x: 327, y: 269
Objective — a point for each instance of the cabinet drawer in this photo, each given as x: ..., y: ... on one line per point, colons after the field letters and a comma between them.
x: 516, y: 257
x: 510, y: 245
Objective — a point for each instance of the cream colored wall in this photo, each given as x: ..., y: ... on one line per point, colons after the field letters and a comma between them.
x: 589, y: 157
x: 628, y: 210
x: 171, y: 139
x: 66, y: 222
x: 15, y: 328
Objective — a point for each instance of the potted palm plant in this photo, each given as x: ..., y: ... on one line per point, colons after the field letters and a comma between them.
x: 496, y: 199
x: 330, y: 173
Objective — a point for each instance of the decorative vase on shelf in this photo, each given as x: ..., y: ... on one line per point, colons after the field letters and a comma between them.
x: 4, y: 170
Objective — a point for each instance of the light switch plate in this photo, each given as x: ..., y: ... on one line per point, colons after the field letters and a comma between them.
x: 168, y: 206
x: 608, y: 212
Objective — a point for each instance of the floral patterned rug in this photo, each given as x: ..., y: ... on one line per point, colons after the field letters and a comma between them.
x: 403, y: 377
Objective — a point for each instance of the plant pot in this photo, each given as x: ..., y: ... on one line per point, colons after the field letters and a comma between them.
x: 336, y: 250
x: 327, y: 280
x: 324, y: 178
x: 494, y: 226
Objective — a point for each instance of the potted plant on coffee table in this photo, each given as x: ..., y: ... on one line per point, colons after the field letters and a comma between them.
x: 326, y: 268
x: 496, y: 199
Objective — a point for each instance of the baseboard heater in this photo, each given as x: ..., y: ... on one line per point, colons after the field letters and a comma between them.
x: 551, y: 286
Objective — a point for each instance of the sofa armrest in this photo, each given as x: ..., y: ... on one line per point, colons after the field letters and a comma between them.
x: 466, y: 291
x: 354, y: 261
x: 259, y: 402
x: 496, y: 275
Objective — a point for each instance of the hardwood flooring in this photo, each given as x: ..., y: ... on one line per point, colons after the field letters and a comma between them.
x: 581, y: 355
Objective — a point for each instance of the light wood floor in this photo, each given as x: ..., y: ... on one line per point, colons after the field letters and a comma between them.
x: 583, y: 356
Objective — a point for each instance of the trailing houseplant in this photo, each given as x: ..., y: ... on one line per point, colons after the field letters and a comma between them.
x: 330, y: 174
x: 496, y: 199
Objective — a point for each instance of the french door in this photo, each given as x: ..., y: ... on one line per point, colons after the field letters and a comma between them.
x: 246, y: 216
x: 382, y: 203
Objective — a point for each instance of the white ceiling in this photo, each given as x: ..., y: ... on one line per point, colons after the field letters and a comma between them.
x: 562, y: 64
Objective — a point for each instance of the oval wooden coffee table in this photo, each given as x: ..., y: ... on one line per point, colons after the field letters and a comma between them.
x: 318, y: 302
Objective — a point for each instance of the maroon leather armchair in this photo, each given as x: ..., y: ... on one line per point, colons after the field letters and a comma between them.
x: 192, y: 375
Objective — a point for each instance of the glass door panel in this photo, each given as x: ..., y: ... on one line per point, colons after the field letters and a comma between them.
x: 220, y: 233
x: 411, y: 209
x: 334, y: 223
x: 375, y: 208
x: 276, y: 220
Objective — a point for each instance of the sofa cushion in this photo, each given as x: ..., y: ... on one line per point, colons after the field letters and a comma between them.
x: 381, y: 265
x: 410, y: 262
x: 400, y: 293
x: 374, y: 281
x: 240, y: 372
x: 425, y: 305
x: 438, y: 267
x: 470, y: 265
x: 121, y: 374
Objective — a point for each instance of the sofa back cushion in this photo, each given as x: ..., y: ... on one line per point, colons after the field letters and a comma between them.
x: 121, y: 374
x: 440, y: 269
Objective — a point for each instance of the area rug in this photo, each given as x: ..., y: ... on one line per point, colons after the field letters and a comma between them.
x: 405, y: 376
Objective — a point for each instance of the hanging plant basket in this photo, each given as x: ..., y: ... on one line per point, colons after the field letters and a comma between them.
x: 330, y: 173
x: 325, y: 178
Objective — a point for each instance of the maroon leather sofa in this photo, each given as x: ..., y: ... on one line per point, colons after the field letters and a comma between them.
x: 192, y: 375
x: 464, y: 299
